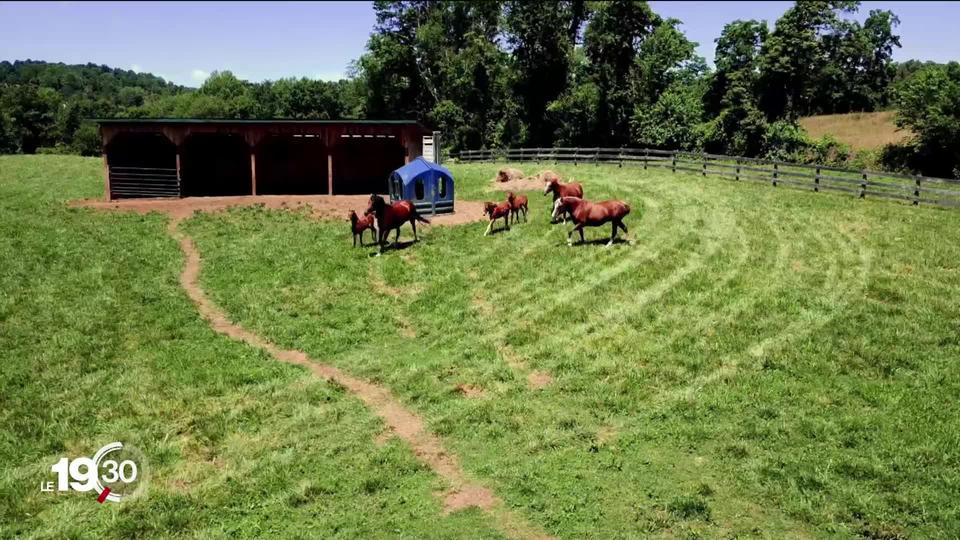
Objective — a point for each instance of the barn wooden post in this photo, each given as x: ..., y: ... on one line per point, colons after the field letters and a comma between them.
x: 329, y: 173
x: 179, y: 177
x: 253, y: 170
x: 106, y: 174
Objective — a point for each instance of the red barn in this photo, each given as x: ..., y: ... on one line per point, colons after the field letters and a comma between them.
x: 196, y: 157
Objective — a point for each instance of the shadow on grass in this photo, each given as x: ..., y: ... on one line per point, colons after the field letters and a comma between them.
x: 390, y: 246
x: 498, y: 231
x: 599, y: 241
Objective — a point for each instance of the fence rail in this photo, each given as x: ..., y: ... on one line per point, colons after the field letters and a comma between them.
x: 915, y: 189
x: 133, y: 182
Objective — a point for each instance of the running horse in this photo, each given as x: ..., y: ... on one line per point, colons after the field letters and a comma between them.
x: 496, y: 211
x: 360, y: 224
x: 590, y: 214
x: 518, y: 203
x: 559, y: 189
x: 391, y: 216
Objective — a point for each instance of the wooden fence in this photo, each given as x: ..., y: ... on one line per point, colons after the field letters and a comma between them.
x: 909, y: 188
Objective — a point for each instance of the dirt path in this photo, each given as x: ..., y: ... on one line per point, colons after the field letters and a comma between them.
x: 321, y: 206
x: 402, y: 422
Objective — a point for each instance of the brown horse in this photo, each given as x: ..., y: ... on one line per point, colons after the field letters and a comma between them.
x: 391, y: 216
x: 559, y: 189
x: 589, y: 214
x: 518, y: 203
x: 496, y: 211
x: 360, y: 224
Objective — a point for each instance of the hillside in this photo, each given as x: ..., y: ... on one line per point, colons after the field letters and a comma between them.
x: 43, y: 104
x: 862, y: 131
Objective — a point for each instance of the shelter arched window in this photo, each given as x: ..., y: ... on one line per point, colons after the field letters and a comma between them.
x: 418, y: 189
x: 443, y: 188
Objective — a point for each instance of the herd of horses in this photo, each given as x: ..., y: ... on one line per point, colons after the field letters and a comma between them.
x: 568, y: 202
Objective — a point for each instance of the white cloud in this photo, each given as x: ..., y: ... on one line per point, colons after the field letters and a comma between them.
x: 135, y: 68
x: 199, y: 75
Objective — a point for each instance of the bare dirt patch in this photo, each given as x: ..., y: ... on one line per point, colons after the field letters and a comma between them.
x: 527, y: 183
x: 530, y: 183
x: 470, y: 391
x: 539, y: 379
x: 606, y: 434
x: 481, y: 305
x: 400, y: 421
x: 405, y: 328
x: 321, y: 206
x: 381, y: 287
x: 535, y: 379
x: 467, y: 497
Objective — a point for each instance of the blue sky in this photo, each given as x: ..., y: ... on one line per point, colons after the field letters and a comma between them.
x: 185, y: 41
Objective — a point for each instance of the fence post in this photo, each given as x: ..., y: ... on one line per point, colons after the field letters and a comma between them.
x: 596, y: 156
x: 704, y: 158
x: 621, y: 157
x: 738, y: 170
x: 673, y: 158
x: 775, y: 174
x: 646, y: 155
x: 863, y: 185
x: 816, y: 181
x: 916, y: 192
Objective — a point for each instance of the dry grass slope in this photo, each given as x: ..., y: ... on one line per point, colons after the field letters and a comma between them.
x: 862, y: 131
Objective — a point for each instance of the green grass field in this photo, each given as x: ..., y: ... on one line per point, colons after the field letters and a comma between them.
x: 756, y: 362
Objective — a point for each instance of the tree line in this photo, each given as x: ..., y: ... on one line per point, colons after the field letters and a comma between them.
x: 514, y: 73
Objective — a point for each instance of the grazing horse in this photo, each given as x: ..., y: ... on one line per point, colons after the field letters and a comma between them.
x: 590, y: 214
x: 358, y: 225
x: 559, y: 189
x: 391, y: 216
x: 496, y: 211
x: 518, y: 203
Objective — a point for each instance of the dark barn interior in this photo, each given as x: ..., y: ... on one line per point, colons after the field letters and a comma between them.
x: 363, y: 165
x: 213, y: 164
x: 291, y: 165
x: 196, y: 157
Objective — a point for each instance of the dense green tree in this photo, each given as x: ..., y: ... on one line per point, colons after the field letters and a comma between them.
x: 736, y: 61
x: 793, y: 56
x: 394, y: 81
x: 858, y: 66
x: 541, y: 39
x: 736, y: 125
x: 672, y: 122
x: 612, y: 40
x: 928, y: 103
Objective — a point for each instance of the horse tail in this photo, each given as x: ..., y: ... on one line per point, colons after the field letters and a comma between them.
x: 418, y: 217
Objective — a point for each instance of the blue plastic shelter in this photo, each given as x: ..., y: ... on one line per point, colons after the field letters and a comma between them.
x: 428, y: 185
